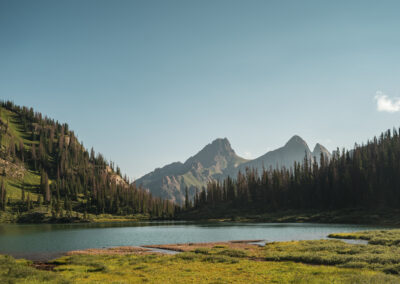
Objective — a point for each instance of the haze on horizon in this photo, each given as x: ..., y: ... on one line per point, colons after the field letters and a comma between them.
x: 148, y: 83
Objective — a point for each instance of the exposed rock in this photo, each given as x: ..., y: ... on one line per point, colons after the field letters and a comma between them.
x: 318, y: 150
x: 216, y: 161
x: 12, y: 170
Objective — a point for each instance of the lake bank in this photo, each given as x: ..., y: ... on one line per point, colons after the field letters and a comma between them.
x: 309, y: 261
x: 379, y: 217
x: 23, y: 240
x: 382, y: 216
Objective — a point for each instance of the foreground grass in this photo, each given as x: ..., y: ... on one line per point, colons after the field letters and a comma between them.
x: 20, y: 271
x: 323, y: 261
x: 337, y: 253
x: 191, y: 267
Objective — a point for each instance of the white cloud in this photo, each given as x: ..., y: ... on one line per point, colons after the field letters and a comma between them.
x: 384, y: 103
x: 247, y: 155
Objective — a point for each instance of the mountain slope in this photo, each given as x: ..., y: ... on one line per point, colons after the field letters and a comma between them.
x: 208, y: 164
x: 218, y: 160
x: 318, y: 150
x: 48, y: 174
x: 294, y: 150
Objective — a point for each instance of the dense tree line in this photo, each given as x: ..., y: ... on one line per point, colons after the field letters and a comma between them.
x: 367, y: 177
x: 72, y: 178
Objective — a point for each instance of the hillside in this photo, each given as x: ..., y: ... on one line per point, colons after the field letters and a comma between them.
x: 218, y: 160
x: 47, y: 174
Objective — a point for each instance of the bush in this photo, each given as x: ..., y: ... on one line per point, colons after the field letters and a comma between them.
x: 202, y: 251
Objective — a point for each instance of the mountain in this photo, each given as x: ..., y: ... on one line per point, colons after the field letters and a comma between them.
x: 210, y: 163
x: 46, y: 175
x: 294, y: 150
x: 364, y: 180
x: 218, y: 160
x: 318, y: 150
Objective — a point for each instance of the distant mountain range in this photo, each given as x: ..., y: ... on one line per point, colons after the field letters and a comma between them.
x: 218, y: 160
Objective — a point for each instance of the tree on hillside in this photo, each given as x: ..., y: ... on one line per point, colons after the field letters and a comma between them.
x: 3, y: 195
x: 187, y: 201
x: 57, y: 153
x: 21, y: 150
x: 44, y: 186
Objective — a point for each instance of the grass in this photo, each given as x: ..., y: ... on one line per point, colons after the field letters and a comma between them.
x: 21, y: 271
x: 337, y: 253
x: 380, y: 237
x: 192, y: 267
x: 15, y: 127
x: 323, y: 261
x: 30, y: 183
x: 103, y: 218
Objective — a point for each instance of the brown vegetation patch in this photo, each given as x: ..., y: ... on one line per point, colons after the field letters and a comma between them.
x: 111, y: 251
x: 43, y: 266
x: 243, y: 244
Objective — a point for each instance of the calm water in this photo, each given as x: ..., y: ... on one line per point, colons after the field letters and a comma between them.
x: 50, y: 240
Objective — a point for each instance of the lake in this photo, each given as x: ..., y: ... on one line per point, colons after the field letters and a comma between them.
x: 45, y: 241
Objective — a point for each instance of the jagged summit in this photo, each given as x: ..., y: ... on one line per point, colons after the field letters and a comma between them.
x: 218, y: 160
x: 318, y: 149
x: 208, y: 164
x: 294, y: 150
x: 296, y: 140
x: 218, y: 148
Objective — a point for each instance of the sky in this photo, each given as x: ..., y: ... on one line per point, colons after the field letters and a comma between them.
x: 147, y: 83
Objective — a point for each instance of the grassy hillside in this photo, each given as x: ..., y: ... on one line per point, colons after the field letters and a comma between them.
x: 48, y: 176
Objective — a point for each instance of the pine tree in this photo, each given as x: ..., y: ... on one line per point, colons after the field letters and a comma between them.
x: 3, y: 195
x: 186, y: 198
x: 47, y: 189
x: 21, y: 150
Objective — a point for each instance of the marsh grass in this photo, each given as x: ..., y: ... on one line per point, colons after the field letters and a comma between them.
x: 210, y: 267
x: 20, y: 271
x: 378, y: 237
x: 338, y: 253
x: 323, y: 261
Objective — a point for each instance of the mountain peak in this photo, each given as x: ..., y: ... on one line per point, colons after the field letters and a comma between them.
x: 208, y: 156
x: 221, y: 144
x: 296, y: 140
x: 319, y: 147
x: 318, y: 150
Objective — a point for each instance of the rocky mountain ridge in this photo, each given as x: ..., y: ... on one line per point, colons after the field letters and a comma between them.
x: 218, y: 160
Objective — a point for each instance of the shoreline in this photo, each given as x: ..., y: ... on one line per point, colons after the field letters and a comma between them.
x: 359, y: 216
x: 333, y: 257
x: 43, y: 258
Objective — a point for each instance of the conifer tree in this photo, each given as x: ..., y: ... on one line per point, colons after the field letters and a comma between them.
x: 3, y: 195
x: 187, y: 201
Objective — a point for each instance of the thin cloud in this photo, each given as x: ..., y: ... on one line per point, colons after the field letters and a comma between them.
x: 247, y: 155
x: 384, y: 103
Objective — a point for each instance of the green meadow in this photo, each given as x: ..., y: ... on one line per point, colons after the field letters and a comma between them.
x: 320, y: 261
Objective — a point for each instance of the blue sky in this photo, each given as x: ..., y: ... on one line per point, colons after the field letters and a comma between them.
x: 150, y: 82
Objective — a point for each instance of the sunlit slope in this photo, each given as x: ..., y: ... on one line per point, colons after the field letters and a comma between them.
x: 16, y: 175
